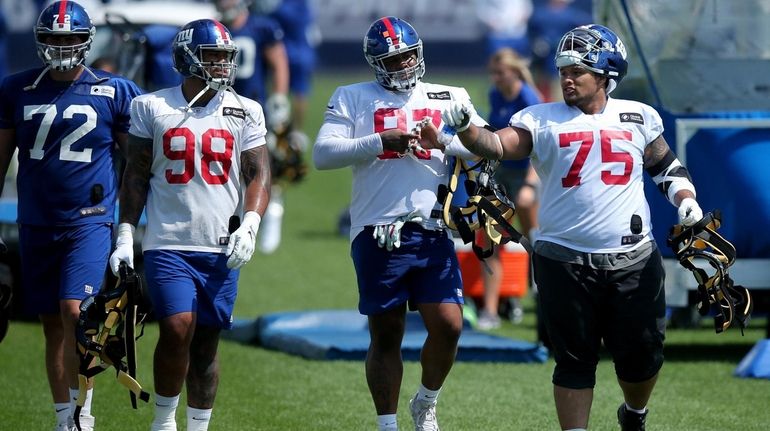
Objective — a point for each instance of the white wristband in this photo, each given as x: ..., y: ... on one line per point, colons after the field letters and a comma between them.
x: 253, y: 219
x: 126, y: 230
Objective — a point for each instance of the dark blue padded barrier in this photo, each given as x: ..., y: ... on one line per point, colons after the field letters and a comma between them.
x: 343, y: 334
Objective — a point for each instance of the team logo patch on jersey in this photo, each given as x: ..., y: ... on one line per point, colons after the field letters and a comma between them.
x: 234, y: 112
x: 103, y: 90
x: 441, y: 95
x: 93, y: 211
x: 631, y: 117
x: 630, y: 239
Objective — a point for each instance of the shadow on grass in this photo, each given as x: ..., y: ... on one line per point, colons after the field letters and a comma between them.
x: 704, y: 352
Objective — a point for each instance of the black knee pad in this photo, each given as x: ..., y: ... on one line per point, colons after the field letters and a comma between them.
x: 574, y: 374
x: 640, y: 366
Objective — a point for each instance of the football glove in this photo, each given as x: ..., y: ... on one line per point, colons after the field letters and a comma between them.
x: 689, y: 212
x: 458, y: 115
x: 388, y: 236
x: 242, y: 242
x: 124, y: 247
x: 277, y: 112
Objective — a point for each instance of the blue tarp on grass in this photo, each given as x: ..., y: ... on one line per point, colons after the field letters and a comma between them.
x: 343, y: 334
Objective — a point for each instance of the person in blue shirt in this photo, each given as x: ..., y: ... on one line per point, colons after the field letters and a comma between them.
x: 548, y: 23
x: 260, y: 40
x: 65, y: 120
x: 159, y: 69
x: 301, y: 36
x: 513, y: 89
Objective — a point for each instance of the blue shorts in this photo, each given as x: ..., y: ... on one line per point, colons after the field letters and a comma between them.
x: 188, y: 281
x: 300, y: 78
x: 423, y: 270
x: 62, y: 263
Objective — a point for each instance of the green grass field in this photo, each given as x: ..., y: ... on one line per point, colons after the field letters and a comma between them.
x: 267, y: 390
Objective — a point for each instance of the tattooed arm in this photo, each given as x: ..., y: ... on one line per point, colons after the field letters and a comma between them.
x: 510, y: 143
x: 136, y: 179
x: 255, y: 168
x: 672, y: 179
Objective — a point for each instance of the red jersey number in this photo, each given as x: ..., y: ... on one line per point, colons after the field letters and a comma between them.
x: 417, y: 115
x: 208, y: 155
x: 586, y: 141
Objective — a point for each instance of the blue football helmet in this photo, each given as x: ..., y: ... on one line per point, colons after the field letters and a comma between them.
x: 391, y: 37
x: 64, y: 18
x: 596, y: 48
x: 198, y: 37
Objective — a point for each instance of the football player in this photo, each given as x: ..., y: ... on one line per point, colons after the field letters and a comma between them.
x: 598, y: 270
x: 400, y: 248
x: 260, y: 41
x: 65, y: 120
x: 198, y: 163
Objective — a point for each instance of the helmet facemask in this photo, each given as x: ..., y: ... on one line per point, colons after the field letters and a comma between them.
x: 63, y: 57
x: 588, y: 48
x: 218, y: 75
x: 403, y: 79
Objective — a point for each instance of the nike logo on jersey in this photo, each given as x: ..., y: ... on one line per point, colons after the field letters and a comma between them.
x: 631, y: 117
x: 329, y: 106
x: 103, y: 90
x: 234, y: 112
x: 441, y: 95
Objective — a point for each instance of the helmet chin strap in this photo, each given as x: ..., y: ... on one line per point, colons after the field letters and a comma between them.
x: 197, y: 96
x: 37, y: 81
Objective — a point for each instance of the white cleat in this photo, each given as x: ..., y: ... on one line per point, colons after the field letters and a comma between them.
x: 423, y: 414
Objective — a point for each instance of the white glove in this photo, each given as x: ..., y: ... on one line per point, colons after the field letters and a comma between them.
x: 389, y: 235
x: 457, y: 115
x: 689, y: 212
x: 241, y: 244
x: 277, y: 112
x: 124, y: 247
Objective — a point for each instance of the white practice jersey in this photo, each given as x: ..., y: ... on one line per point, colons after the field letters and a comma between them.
x: 196, y: 178
x: 386, y: 185
x: 591, y: 168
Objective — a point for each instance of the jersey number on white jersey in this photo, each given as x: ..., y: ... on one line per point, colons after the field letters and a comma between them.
x: 216, y: 154
x: 395, y: 118
x: 65, y: 148
x: 586, y: 140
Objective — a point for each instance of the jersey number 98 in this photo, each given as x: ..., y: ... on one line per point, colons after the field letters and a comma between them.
x: 185, y: 151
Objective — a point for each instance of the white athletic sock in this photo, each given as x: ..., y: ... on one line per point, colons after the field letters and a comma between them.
x: 631, y: 409
x: 63, y: 412
x: 387, y: 422
x: 165, y: 413
x: 198, y: 419
x: 426, y: 395
x: 576, y: 429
